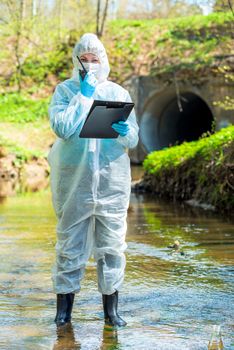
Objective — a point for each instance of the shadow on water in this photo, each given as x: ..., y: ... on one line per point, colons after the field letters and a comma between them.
x: 170, y: 300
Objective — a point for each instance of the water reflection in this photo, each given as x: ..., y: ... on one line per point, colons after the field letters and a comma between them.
x: 66, y: 338
x: 110, y: 339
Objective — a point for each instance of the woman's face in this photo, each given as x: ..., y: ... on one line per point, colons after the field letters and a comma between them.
x: 91, y: 63
x: 89, y: 58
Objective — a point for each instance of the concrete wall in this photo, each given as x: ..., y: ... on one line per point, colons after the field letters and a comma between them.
x: 165, y: 120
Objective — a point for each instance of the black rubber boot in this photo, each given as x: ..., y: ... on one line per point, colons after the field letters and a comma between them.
x: 64, y: 308
x: 110, y: 307
x: 70, y: 300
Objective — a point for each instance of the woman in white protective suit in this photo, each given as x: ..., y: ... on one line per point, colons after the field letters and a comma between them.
x: 90, y: 183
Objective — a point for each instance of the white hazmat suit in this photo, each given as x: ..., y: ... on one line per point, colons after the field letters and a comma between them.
x: 90, y: 181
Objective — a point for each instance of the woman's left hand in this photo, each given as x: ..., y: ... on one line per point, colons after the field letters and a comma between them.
x: 121, y: 127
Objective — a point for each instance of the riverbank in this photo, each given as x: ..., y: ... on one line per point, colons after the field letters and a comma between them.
x: 201, y: 172
x: 25, y: 139
x: 22, y: 169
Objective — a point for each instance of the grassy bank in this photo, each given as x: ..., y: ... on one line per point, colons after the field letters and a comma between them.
x: 160, y: 46
x: 22, y: 154
x: 202, y: 170
x: 22, y: 108
x: 186, y: 44
x: 24, y: 125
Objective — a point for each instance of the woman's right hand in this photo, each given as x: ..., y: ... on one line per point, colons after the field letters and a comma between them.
x: 88, y: 85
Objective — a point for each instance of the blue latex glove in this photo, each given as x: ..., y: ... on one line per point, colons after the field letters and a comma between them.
x: 88, y: 85
x: 121, y: 128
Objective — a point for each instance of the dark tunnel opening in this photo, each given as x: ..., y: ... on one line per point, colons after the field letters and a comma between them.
x: 164, y: 125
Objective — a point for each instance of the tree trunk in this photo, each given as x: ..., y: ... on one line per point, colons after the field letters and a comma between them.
x: 17, y: 44
x: 99, y: 30
x: 104, y: 18
x: 98, y: 17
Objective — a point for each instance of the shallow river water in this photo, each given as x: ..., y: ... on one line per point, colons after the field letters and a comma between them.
x: 171, y: 300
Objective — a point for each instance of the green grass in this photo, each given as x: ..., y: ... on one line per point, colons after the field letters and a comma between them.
x: 205, y: 147
x: 202, y: 170
x: 22, y: 108
x: 182, y: 23
x: 181, y: 43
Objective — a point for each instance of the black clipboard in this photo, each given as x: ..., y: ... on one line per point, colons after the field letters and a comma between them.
x: 102, y: 115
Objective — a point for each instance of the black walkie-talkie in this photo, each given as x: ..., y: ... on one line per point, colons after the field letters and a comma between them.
x: 82, y: 72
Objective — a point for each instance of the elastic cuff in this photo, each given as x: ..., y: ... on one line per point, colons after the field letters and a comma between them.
x: 85, y: 98
x: 123, y: 140
x: 67, y: 291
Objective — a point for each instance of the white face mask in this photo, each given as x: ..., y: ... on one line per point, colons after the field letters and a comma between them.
x: 92, y: 67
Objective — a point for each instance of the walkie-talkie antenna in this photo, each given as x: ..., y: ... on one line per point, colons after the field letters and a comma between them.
x: 84, y: 71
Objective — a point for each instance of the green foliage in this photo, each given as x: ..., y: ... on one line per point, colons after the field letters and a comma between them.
x: 188, y: 43
x: 180, y: 43
x: 228, y: 102
x: 201, y: 170
x: 22, y: 108
x: 49, y: 62
x: 205, y: 147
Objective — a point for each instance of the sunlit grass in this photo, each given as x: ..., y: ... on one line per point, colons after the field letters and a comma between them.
x: 21, y: 108
x: 201, y: 170
x: 206, y: 147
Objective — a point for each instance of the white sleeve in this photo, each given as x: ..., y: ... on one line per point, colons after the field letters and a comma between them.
x: 67, y: 116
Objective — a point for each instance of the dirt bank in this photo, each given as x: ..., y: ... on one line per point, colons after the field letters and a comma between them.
x: 17, y: 175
